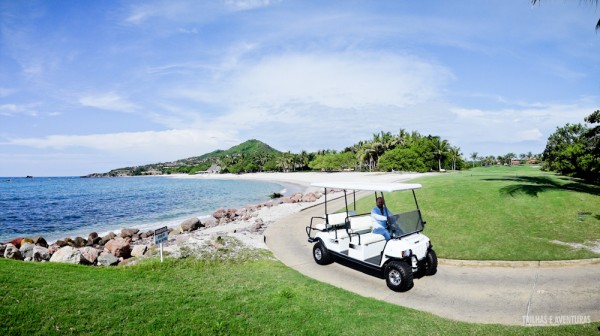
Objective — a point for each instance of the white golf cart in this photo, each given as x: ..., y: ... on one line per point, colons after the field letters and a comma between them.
x: 348, y: 235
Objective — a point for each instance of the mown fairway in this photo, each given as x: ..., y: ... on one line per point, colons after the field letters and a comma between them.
x: 190, y: 297
x: 504, y: 213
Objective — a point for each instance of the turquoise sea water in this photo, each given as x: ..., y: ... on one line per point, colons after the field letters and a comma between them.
x: 59, y: 207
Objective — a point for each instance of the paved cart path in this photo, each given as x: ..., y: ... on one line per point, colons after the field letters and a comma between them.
x: 472, y: 293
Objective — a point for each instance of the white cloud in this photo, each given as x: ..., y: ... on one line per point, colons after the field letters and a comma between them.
x: 8, y: 110
x: 5, y: 92
x: 339, y: 80
x: 533, y: 134
x: 248, y: 4
x: 108, y: 101
x: 147, y: 141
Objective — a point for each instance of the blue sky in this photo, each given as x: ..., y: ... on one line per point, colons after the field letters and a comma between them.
x: 88, y: 86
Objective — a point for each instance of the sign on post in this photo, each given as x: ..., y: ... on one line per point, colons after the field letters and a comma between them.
x: 161, y: 235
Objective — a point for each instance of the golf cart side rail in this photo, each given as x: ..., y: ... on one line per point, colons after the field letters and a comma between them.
x: 330, y: 222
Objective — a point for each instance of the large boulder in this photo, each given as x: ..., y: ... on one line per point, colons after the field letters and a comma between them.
x: 26, y: 250
x: 16, y: 242
x: 147, y: 234
x: 80, y: 242
x: 107, y: 259
x: 60, y: 243
x: 220, y: 213
x: 2, y: 249
x: 90, y: 255
x: 12, y: 252
x: 40, y: 241
x: 53, y: 248
x: 70, y: 242
x: 175, y: 231
x: 210, y: 222
x: 125, y: 233
x: 309, y: 197
x: 107, y: 238
x: 139, y: 250
x: 92, y: 236
x: 191, y: 224
x: 40, y: 253
x: 93, y: 239
x: 118, y: 247
x: 68, y: 255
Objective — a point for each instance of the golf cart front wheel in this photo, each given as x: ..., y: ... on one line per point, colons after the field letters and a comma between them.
x: 398, y: 276
x: 321, y: 254
x: 431, y: 263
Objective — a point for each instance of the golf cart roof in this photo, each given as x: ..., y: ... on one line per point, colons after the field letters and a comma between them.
x: 387, y: 187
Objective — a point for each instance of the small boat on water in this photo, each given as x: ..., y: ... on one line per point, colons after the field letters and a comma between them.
x: 29, y: 176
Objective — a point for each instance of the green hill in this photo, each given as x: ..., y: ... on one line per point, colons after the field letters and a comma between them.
x: 250, y: 156
x: 250, y: 147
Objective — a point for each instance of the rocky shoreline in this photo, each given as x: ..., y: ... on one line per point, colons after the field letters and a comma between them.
x: 190, y: 237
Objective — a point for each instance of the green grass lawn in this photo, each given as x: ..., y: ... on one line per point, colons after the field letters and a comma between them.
x: 192, y: 297
x: 504, y: 213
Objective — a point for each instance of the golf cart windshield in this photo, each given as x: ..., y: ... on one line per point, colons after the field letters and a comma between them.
x: 406, y: 223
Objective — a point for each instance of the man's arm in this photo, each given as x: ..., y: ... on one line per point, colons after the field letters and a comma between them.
x: 378, y: 216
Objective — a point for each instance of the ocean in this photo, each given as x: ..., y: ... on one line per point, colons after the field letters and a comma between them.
x: 59, y: 207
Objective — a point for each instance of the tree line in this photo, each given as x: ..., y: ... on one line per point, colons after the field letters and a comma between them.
x: 574, y: 150
x: 384, y: 151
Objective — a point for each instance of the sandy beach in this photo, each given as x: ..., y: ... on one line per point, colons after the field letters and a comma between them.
x: 244, y: 230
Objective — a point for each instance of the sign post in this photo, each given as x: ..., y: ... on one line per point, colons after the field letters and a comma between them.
x: 161, y: 235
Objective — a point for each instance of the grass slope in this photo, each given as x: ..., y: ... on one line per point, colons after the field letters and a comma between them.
x: 504, y: 213
x: 192, y: 297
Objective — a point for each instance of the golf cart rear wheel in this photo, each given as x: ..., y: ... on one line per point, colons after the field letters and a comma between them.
x: 321, y: 254
x: 398, y: 276
x: 431, y: 263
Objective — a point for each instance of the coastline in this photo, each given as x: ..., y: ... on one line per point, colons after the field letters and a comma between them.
x: 245, y: 224
x: 305, y: 179
x: 249, y: 232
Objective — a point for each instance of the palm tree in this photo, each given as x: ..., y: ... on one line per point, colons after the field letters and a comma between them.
x: 473, y: 157
x: 440, y: 148
x: 304, y: 159
x: 509, y: 157
x: 369, y: 154
x: 454, y: 154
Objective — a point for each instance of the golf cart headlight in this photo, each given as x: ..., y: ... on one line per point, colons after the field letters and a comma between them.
x: 406, y: 253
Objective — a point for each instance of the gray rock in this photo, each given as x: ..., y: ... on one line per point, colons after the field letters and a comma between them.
x: 219, y: 213
x: 27, y: 250
x: 2, y: 249
x: 107, y: 259
x: 41, y: 253
x: 174, y: 232
x: 107, y: 238
x: 191, y: 224
x: 128, y: 232
x: 67, y: 254
x: 53, y: 248
x: 80, y: 242
x: 12, y: 252
x: 92, y: 236
x: 139, y: 250
x: 40, y: 241
x: 119, y: 247
x: 90, y: 255
x: 210, y: 222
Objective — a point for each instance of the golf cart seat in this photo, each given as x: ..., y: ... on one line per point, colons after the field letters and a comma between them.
x: 335, y: 220
x: 360, y: 230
